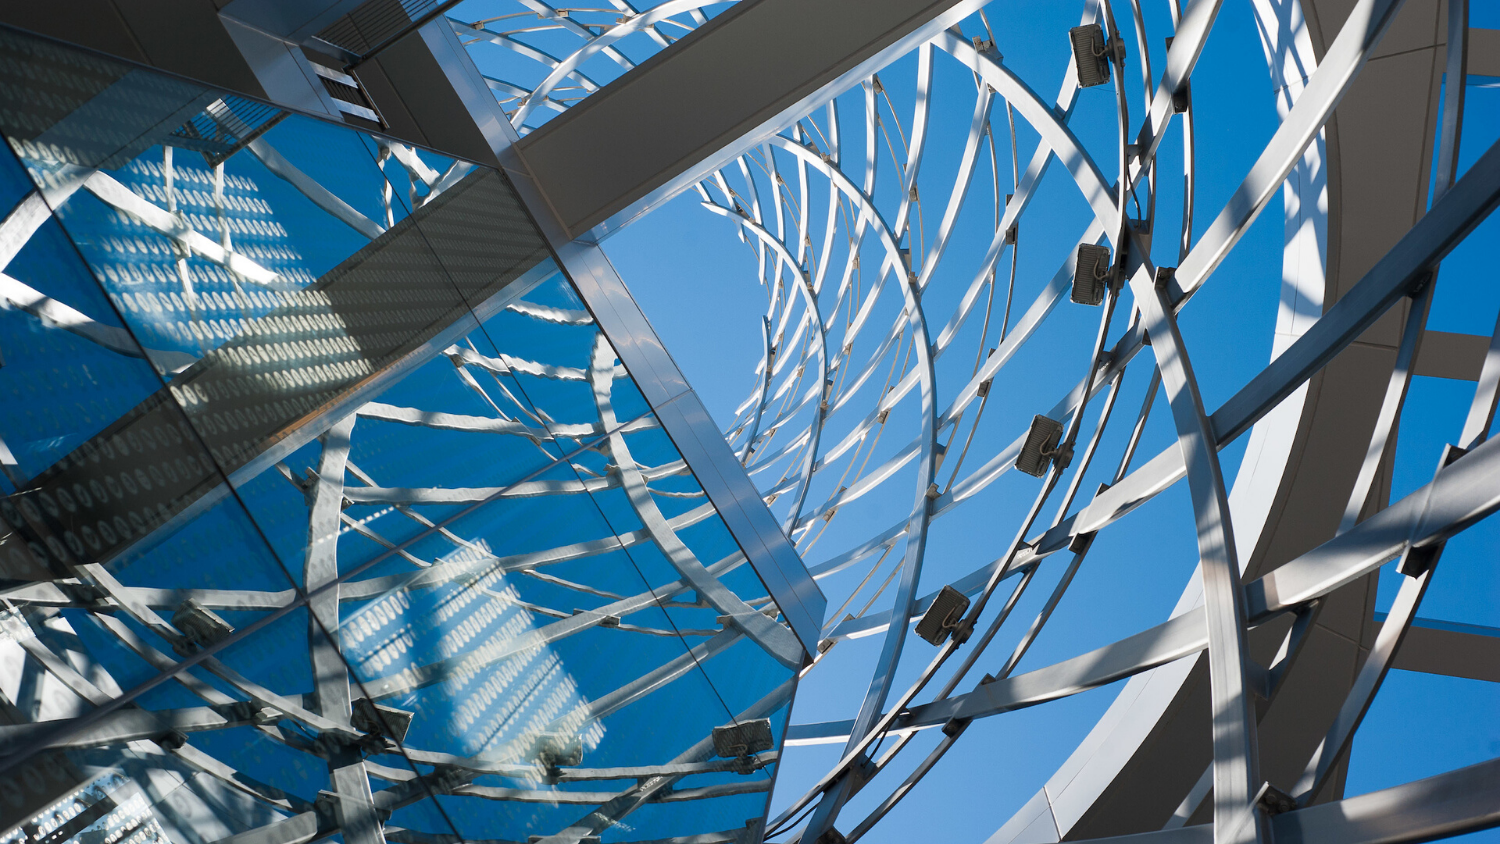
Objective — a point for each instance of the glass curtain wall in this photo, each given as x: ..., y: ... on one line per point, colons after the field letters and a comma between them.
x: 328, y: 510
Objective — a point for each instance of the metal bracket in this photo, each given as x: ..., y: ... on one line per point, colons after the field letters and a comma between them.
x: 1273, y: 801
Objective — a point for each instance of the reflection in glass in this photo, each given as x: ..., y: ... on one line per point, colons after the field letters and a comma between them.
x: 328, y: 509
x: 109, y: 807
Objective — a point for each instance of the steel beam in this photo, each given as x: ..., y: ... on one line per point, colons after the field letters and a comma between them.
x: 1450, y: 649
x: 1448, y: 804
x: 718, y: 92
x: 1236, y: 750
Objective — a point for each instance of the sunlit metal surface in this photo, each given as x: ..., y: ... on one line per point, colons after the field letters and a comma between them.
x: 865, y: 293
x: 462, y: 586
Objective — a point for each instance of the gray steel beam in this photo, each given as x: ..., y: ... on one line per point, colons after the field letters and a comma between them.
x: 1454, y: 803
x: 1458, y: 496
x: 1396, y: 274
x: 727, y: 86
x: 1450, y: 649
x: 354, y: 809
x: 1448, y: 804
x: 1236, y: 750
x: 186, y: 37
x: 1445, y: 354
x: 297, y: 829
x: 123, y: 726
x: 698, y: 439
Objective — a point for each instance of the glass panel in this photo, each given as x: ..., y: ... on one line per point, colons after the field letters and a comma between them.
x: 251, y: 346
x: 266, y: 297
x: 109, y: 494
x: 571, y: 349
x: 63, y: 350
x: 675, y: 542
x: 517, y: 45
x: 181, y: 761
x: 322, y: 405
x: 137, y: 797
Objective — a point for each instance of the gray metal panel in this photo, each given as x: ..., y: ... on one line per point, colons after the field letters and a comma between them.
x: 91, y: 23
x: 1484, y: 52
x: 188, y: 38
x: 281, y: 69
x: 184, y: 37
x: 294, y: 20
x: 433, y: 97
x: 1448, y: 355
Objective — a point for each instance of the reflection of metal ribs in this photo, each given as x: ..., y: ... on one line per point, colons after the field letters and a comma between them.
x: 159, y: 460
x: 225, y: 127
x: 88, y: 111
x: 49, y: 778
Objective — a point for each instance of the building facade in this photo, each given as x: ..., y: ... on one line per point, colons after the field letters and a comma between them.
x: 349, y: 494
x: 330, y: 496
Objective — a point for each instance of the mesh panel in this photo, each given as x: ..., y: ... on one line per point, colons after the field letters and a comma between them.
x: 374, y: 23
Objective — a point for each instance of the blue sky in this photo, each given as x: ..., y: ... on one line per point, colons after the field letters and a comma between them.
x: 696, y: 283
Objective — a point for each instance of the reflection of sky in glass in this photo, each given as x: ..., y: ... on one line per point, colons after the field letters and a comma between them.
x: 110, y: 809
x: 505, y: 712
x: 140, y: 266
x: 375, y: 334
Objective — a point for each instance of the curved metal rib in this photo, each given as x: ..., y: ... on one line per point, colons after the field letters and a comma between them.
x: 1236, y: 762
